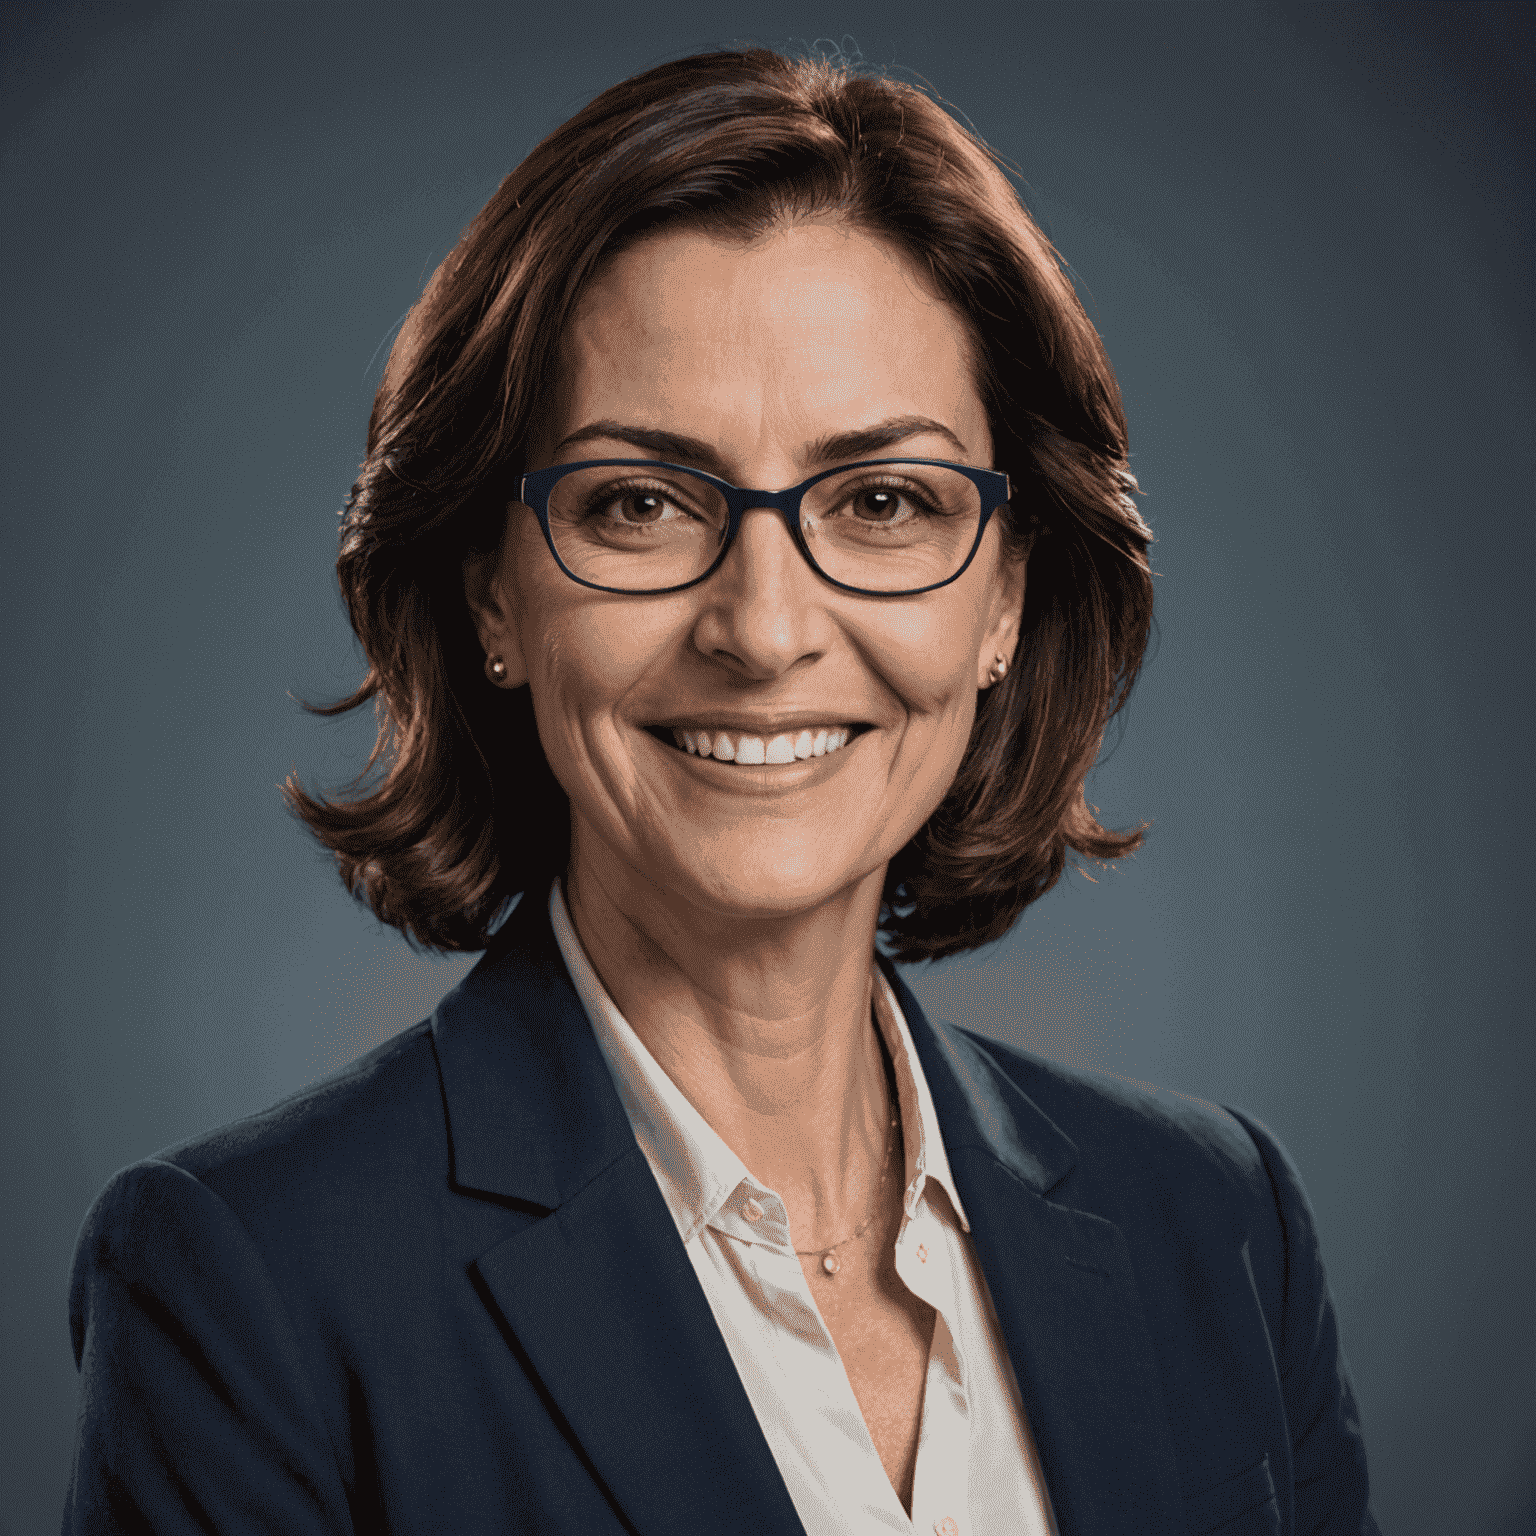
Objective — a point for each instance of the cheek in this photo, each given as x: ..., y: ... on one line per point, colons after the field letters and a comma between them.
x: 585, y: 655
x: 569, y: 639
x: 928, y: 659
x: 929, y: 664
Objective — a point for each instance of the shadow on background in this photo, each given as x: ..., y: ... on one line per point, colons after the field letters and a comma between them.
x: 1305, y: 235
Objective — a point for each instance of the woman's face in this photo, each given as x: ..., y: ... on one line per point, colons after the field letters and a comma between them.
x: 756, y: 353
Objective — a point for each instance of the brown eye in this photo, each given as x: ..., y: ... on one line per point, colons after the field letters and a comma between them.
x: 634, y: 506
x: 640, y: 507
x: 884, y: 504
x: 876, y: 505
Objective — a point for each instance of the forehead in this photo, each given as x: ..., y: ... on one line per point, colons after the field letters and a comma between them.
x: 814, y: 325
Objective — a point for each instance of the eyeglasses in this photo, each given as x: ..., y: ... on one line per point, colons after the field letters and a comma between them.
x: 882, y: 527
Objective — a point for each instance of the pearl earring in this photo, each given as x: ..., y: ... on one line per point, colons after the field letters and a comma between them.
x: 497, y: 669
x: 999, y: 669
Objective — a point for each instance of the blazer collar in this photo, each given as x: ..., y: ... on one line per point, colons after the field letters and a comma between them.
x: 978, y: 1105
x: 533, y: 1113
x: 602, y: 1293
x: 1065, y: 1292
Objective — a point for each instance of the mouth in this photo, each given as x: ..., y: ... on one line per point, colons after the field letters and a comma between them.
x: 748, y: 750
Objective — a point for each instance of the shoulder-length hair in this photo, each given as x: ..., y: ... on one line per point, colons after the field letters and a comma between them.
x: 465, y: 813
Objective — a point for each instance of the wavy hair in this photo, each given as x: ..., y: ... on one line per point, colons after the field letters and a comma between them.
x: 465, y: 813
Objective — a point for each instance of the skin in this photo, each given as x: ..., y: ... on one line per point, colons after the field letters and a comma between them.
x: 731, y: 912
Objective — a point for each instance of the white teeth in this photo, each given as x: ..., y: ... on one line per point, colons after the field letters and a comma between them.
x: 752, y: 750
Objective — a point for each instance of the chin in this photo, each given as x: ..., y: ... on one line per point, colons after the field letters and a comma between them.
x: 778, y: 880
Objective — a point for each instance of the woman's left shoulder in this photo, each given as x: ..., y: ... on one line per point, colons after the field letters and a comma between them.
x: 1127, y: 1128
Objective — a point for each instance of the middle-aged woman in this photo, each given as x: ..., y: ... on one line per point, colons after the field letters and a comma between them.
x: 678, y: 1215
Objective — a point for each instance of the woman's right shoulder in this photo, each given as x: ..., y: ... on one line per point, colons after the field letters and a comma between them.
x: 220, y: 1287
x: 357, y: 1143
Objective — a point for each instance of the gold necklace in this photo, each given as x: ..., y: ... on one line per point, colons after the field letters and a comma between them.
x: 829, y: 1260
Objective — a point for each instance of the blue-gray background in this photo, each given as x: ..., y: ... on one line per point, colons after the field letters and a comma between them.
x: 1304, y: 233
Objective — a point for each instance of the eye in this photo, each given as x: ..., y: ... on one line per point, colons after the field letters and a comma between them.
x: 887, y: 502
x: 637, y: 505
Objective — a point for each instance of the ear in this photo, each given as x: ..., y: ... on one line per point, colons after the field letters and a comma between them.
x: 1004, y: 617
x: 488, y: 588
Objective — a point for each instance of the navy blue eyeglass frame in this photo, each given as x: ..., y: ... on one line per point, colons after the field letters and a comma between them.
x: 534, y: 489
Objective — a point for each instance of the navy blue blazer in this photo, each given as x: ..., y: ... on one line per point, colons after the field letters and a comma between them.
x: 440, y: 1292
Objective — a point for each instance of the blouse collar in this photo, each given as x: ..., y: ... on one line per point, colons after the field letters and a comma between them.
x: 695, y: 1169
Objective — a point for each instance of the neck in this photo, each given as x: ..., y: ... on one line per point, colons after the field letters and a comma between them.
x: 762, y: 1020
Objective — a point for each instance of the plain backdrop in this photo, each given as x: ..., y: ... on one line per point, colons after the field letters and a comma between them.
x: 1305, y: 235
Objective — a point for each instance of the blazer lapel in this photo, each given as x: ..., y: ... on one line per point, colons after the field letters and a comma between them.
x: 599, y: 1294
x: 1065, y: 1293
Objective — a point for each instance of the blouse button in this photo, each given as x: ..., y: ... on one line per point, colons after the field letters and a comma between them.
x: 752, y: 1211
x: 946, y: 1527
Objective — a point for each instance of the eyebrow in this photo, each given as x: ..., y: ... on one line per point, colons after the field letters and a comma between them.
x: 679, y: 448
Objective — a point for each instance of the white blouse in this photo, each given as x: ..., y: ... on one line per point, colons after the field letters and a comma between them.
x: 977, y: 1470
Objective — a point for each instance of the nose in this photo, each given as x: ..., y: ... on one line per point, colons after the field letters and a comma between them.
x: 763, y: 610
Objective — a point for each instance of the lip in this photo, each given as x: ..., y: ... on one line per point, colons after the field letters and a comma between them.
x: 789, y: 723
x: 761, y: 779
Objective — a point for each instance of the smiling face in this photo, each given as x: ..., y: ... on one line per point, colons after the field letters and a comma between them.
x: 755, y: 353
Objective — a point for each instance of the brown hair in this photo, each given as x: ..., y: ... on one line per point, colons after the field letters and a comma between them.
x: 466, y: 813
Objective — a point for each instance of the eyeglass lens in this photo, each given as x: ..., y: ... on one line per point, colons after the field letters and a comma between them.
x: 885, y: 528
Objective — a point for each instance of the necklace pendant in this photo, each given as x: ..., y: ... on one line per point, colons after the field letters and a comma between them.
x: 830, y: 1264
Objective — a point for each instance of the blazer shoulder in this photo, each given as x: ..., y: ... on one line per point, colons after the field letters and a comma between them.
x: 360, y: 1134
x: 1117, y: 1121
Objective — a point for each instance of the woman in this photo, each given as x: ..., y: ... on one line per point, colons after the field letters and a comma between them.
x: 678, y: 1214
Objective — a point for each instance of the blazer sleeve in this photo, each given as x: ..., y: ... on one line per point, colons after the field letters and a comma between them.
x: 1332, y: 1488
x: 196, y: 1412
